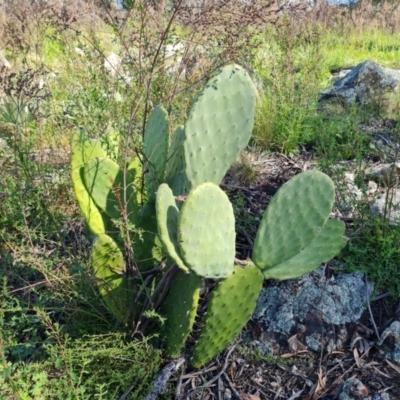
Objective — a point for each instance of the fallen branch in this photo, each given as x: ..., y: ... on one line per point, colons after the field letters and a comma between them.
x: 163, y: 376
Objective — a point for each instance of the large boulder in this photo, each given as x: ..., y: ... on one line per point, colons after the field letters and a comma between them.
x: 365, y: 83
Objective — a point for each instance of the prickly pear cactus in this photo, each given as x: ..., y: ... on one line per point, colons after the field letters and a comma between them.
x: 167, y: 220
x: 296, y: 215
x: 147, y: 246
x: 175, y: 172
x: 323, y: 248
x: 206, y: 231
x: 231, y: 305
x: 114, y: 190
x: 219, y: 125
x: 155, y: 150
x: 83, y: 149
x: 180, y: 309
x: 108, y: 266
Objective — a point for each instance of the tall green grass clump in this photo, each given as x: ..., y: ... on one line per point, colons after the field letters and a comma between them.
x: 292, y: 72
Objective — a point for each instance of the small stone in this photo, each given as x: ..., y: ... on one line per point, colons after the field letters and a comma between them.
x: 390, y: 338
x: 353, y: 389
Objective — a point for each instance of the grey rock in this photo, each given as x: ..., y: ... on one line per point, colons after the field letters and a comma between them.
x: 364, y: 83
x: 389, y: 201
x: 385, y: 174
x: 390, y: 340
x: 348, y: 195
x: 340, y: 74
x: 380, y: 396
x: 264, y: 348
x: 323, y: 306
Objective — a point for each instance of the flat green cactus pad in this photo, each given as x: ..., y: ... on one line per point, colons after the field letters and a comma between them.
x: 83, y: 149
x: 167, y: 219
x: 219, y: 125
x: 175, y: 171
x: 155, y: 150
x: 323, y: 248
x: 111, y: 188
x: 108, y: 266
x: 180, y: 309
x: 148, y: 247
x: 295, y: 216
x: 231, y: 305
x: 206, y: 232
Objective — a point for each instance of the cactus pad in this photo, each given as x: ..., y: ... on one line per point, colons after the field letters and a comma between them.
x: 84, y: 149
x: 295, y: 216
x: 108, y: 266
x: 175, y: 171
x: 323, y: 248
x: 180, y: 309
x: 206, y: 232
x: 147, y: 249
x: 219, y: 125
x: 113, y: 192
x: 155, y: 150
x: 231, y: 305
x: 167, y: 219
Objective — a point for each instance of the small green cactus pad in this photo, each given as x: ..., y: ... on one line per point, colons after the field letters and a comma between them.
x: 83, y: 149
x: 175, y: 172
x: 167, y: 219
x: 323, y: 248
x: 108, y: 266
x: 294, y: 217
x: 231, y: 305
x: 206, y: 230
x: 219, y: 125
x: 155, y: 150
x: 148, y: 247
x: 180, y: 309
x: 111, y: 189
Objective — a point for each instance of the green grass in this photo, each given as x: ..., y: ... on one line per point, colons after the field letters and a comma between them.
x: 376, y: 252
x: 353, y: 47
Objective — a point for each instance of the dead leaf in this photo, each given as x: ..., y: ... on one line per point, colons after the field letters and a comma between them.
x: 381, y: 373
x: 295, y: 344
x: 394, y: 366
x: 255, y: 396
x: 357, y: 357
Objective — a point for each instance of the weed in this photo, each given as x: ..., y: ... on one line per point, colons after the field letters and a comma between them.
x: 339, y: 136
x: 255, y: 355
